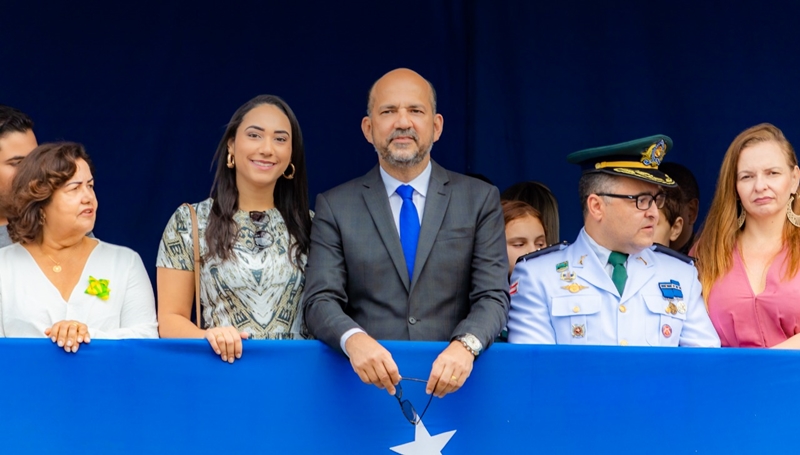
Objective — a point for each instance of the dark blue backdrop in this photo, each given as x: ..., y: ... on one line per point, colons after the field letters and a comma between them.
x: 148, y: 86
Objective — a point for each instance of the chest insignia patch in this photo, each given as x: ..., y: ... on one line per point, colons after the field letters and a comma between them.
x: 574, y: 287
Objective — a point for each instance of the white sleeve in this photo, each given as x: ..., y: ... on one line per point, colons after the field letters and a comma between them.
x: 529, y: 316
x: 2, y: 330
x: 697, y: 329
x: 138, y: 317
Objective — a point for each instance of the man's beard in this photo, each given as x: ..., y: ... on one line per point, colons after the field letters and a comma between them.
x: 397, y: 160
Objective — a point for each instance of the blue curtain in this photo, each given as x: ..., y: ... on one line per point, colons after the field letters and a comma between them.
x: 148, y: 86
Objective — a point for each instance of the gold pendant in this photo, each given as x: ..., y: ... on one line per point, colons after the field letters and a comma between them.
x: 574, y: 287
x: 57, y: 268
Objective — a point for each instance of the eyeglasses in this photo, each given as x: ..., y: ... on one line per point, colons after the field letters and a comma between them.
x: 262, y: 238
x: 408, y: 409
x: 643, y: 200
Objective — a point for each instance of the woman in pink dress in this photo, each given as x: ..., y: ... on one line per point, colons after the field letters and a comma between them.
x: 748, y: 254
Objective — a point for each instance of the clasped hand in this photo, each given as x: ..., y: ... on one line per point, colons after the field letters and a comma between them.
x: 69, y: 335
x: 374, y: 365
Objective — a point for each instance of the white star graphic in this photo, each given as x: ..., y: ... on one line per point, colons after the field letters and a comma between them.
x: 424, y: 443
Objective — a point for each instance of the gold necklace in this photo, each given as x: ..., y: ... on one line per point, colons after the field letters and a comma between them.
x: 57, y: 266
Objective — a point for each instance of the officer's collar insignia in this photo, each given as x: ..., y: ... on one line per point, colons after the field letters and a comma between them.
x: 671, y: 290
x: 580, y: 261
x: 574, y: 287
x: 653, y: 155
x: 641, y: 259
x: 578, y: 330
x: 565, y: 273
x: 512, y: 290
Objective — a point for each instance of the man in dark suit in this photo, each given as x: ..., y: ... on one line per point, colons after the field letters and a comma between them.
x: 410, y: 251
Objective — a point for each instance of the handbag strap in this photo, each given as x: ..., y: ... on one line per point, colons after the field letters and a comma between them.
x: 196, y: 248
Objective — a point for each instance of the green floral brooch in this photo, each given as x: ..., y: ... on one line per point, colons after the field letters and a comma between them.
x: 98, y: 288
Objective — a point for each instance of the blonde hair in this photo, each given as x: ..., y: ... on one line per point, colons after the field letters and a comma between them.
x: 714, y: 249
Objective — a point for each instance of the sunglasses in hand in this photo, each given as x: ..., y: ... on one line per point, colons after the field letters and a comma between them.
x: 405, y: 405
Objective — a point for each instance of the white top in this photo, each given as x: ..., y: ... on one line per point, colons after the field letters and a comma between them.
x: 420, y: 185
x: 30, y: 303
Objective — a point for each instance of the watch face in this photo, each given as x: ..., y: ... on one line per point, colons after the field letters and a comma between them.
x: 473, y: 342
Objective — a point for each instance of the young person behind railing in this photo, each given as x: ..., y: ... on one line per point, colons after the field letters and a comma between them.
x: 253, y: 237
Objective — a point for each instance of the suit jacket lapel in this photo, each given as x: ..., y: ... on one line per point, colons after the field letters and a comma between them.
x: 436, y: 203
x: 378, y: 205
x: 640, y: 271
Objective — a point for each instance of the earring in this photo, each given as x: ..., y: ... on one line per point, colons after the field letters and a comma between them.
x: 742, y: 216
x: 790, y: 215
x: 290, y: 176
x: 230, y: 160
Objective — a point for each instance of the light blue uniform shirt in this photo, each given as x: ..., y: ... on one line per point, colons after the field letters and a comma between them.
x: 567, y: 297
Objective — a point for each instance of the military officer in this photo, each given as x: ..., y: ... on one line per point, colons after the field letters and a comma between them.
x: 612, y: 286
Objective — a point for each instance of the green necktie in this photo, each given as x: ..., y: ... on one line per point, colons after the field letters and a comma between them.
x: 619, y: 275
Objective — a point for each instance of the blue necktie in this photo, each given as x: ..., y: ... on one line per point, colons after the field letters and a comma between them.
x: 409, y: 227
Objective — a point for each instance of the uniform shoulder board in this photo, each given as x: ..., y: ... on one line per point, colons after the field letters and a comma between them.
x: 670, y: 252
x: 543, y: 251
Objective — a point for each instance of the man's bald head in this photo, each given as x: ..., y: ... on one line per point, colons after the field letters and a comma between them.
x: 400, y: 74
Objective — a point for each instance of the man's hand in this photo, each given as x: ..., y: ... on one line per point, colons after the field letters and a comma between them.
x: 372, y: 362
x: 450, y: 370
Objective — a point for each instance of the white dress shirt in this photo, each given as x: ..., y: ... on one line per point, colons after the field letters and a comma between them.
x: 420, y: 185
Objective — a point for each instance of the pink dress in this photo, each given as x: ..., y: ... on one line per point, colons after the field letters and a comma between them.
x: 743, y: 319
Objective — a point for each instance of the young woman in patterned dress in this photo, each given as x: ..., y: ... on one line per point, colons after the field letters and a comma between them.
x: 253, y: 235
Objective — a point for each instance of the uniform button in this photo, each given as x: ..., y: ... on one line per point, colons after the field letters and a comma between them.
x: 576, y: 309
x: 412, y: 320
x: 622, y: 309
x: 623, y: 343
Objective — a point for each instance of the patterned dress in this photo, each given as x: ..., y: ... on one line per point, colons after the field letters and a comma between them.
x: 257, y: 290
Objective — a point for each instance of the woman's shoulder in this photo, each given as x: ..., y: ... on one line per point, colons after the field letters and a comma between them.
x: 202, y: 208
x: 181, y: 219
x: 116, y: 252
x: 11, y: 251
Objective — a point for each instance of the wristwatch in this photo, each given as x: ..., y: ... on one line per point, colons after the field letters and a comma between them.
x: 471, y: 342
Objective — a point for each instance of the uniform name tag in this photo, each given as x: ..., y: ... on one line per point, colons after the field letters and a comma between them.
x: 671, y: 290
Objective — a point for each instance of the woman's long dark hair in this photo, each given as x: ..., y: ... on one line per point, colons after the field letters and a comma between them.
x: 291, y: 196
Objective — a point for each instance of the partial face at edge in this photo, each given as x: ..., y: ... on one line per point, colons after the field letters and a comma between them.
x: 523, y: 235
x: 14, y: 146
